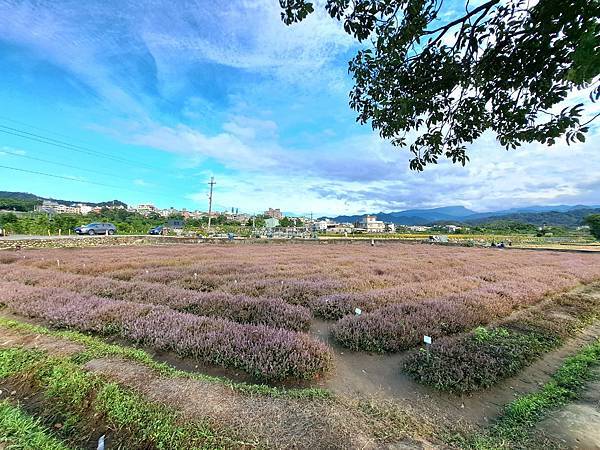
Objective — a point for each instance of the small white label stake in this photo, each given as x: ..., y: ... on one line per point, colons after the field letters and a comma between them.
x: 427, y: 340
x: 358, y: 311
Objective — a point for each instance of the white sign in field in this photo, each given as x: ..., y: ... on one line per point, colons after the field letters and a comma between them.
x: 427, y: 339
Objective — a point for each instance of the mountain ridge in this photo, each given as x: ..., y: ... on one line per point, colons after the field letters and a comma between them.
x: 460, y: 214
x: 33, y: 197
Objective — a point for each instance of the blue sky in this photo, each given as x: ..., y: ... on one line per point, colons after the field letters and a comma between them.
x: 179, y: 91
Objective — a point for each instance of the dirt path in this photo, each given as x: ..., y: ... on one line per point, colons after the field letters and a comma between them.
x: 360, y: 373
x: 264, y: 421
x: 57, y: 347
x: 577, y: 425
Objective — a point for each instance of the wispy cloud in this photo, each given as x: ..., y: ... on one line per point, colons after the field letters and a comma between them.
x: 226, y: 89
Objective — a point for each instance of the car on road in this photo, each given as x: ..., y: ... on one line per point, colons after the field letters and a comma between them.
x: 96, y: 228
x: 157, y: 230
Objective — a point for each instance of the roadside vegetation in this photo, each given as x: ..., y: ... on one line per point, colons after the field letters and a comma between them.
x: 20, y: 218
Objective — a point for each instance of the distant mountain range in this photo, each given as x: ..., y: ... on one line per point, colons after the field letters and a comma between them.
x: 557, y: 215
x: 566, y: 215
x: 36, y: 198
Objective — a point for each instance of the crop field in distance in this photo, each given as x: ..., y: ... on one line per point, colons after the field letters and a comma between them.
x: 327, y: 336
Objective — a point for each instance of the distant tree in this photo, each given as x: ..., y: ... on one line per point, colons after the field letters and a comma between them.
x: 286, y: 222
x: 16, y: 204
x: 594, y: 222
x: 500, y: 66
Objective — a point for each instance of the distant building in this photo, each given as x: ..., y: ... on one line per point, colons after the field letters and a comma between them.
x: 321, y: 225
x: 271, y: 222
x: 236, y: 217
x: 274, y: 213
x: 418, y: 228
x: 370, y: 224
x: 84, y: 209
x: 168, y: 212
x: 146, y: 208
x: 453, y: 228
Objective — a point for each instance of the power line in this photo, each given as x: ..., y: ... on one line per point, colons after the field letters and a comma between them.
x: 45, y: 130
x: 79, y: 180
x: 8, y: 152
x: 72, y: 147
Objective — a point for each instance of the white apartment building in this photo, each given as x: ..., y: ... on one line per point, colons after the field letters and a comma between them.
x: 371, y: 225
x: 146, y: 208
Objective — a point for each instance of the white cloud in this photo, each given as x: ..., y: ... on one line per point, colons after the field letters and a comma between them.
x: 364, y: 173
x: 142, y: 183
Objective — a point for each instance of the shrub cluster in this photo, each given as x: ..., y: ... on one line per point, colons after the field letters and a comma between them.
x: 482, y: 358
x: 239, y: 308
x: 264, y: 352
x: 477, y: 360
x: 399, y: 327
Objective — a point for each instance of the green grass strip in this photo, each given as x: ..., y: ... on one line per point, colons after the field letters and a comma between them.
x: 21, y: 431
x: 15, y: 360
x: 96, y: 348
x: 512, y: 429
x: 79, y: 396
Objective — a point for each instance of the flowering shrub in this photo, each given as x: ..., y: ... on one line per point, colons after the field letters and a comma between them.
x: 404, y: 290
x: 477, y: 360
x: 485, y: 356
x: 264, y: 352
x: 243, y: 309
x: 400, y: 327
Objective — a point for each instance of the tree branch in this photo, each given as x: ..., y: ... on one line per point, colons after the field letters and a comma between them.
x: 485, y: 7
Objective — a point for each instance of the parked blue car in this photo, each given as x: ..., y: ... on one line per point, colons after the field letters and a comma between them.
x: 157, y: 230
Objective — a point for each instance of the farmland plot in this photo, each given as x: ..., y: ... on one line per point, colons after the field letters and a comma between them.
x: 250, y: 307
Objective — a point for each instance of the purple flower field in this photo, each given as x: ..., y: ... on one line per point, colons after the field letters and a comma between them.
x: 251, y: 306
x: 264, y: 352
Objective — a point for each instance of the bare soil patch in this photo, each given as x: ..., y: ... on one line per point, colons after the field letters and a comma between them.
x: 273, y: 422
x: 577, y: 425
x: 59, y: 347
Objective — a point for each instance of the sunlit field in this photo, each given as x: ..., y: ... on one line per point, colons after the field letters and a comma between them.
x: 250, y: 307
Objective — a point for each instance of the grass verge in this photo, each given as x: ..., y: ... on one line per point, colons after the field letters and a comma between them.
x: 20, y: 431
x: 86, y: 405
x: 513, y: 428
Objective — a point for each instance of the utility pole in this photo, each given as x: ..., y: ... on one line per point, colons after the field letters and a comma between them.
x: 211, y: 184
